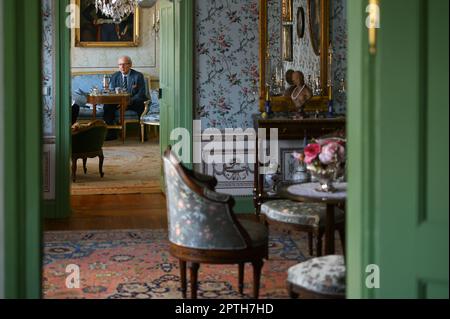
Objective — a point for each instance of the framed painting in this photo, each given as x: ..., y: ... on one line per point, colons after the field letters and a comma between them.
x: 98, y: 30
x: 287, y: 43
x: 287, y: 11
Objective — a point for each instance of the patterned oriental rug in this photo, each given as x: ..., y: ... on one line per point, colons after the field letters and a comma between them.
x: 137, y: 265
x: 130, y: 168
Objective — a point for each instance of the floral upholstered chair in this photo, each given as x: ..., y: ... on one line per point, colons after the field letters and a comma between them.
x: 318, y: 278
x: 304, y: 217
x: 204, y: 229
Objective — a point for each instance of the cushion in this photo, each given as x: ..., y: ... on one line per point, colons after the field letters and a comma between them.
x: 258, y: 232
x: 154, y: 106
x: 151, y: 119
x: 291, y: 212
x: 323, y: 275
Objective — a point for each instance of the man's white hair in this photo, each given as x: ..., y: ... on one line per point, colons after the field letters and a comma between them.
x: 126, y: 57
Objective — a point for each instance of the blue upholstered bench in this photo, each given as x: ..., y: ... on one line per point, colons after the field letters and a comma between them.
x: 82, y: 84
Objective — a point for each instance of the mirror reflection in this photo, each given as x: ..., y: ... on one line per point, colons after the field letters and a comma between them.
x: 298, y: 59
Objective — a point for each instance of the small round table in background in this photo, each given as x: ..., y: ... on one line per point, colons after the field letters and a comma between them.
x: 308, y: 193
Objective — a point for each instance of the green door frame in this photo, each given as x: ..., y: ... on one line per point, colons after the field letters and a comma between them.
x: 184, y: 58
x: 359, y: 112
x: 60, y: 207
x: 23, y: 152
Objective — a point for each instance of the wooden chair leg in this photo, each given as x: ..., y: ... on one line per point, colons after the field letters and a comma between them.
x: 100, y: 165
x: 74, y: 169
x: 292, y: 294
x: 257, y: 267
x: 341, y: 230
x: 310, y: 243
x: 319, y: 243
x: 194, y: 275
x: 142, y: 133
x: 85, y: 165
x: 241, y: 278
x: 183, y: 278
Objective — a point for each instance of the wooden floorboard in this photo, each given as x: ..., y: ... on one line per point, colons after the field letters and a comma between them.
x: 111, y: 212
x: 104, y: 212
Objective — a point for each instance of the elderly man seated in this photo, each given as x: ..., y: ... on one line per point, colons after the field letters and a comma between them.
x: 130, y: 81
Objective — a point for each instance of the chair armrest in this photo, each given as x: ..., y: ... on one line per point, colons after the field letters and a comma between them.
x: 218, y: 197
x: 146, y: 109
x: 201, y: 179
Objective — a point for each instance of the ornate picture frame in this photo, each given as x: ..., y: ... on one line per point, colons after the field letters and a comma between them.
x: 288, y: 54
x: 96, y: 30
x: 315, y: 8
x: 287, y: 14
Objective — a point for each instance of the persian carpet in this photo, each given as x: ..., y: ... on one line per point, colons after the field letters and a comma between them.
x: 130, y: 168
x: 136, y: 264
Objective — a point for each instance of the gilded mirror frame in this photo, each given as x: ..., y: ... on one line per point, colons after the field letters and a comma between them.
x: 282, y: 103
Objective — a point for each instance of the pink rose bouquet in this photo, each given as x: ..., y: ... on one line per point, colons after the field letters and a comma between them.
x: 326, y: 158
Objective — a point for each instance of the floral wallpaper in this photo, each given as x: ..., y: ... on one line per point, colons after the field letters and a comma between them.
x: 48, y: 98
x: 48, y: 65
x: 227, y: 62
x: 338, y: 36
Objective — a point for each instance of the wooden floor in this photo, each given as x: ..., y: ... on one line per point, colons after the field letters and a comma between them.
x: 104, y: 212
x: 110, y: 212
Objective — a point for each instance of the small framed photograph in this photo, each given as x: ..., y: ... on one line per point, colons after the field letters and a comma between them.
x: 289, y: 164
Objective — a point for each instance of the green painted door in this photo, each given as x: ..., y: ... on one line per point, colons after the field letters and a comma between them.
x: 176, y: 70
x: 167, y: 72
x: 398, y: 138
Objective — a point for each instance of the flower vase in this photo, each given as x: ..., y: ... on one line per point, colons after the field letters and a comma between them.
x: 325, y: 180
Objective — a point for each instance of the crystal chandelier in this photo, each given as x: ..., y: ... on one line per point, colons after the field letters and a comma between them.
x: 119, y: 9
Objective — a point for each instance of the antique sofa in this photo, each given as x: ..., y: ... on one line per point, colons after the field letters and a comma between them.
x: 82, y: 84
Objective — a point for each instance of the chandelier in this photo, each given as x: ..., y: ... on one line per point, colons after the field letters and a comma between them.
x: 119, y: 10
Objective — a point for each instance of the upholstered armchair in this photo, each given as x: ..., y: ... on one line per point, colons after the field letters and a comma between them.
x: 204, y: 229
x: 87, y: 142
x: 151, y: 115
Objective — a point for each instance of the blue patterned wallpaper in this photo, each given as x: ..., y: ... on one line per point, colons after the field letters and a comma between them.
x: 227, y: 62
x: 48, y: 65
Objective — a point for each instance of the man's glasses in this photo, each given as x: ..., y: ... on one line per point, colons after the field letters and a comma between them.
x: 122, y: 64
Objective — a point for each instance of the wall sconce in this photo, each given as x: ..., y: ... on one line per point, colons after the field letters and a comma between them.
x: 156, y: 21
